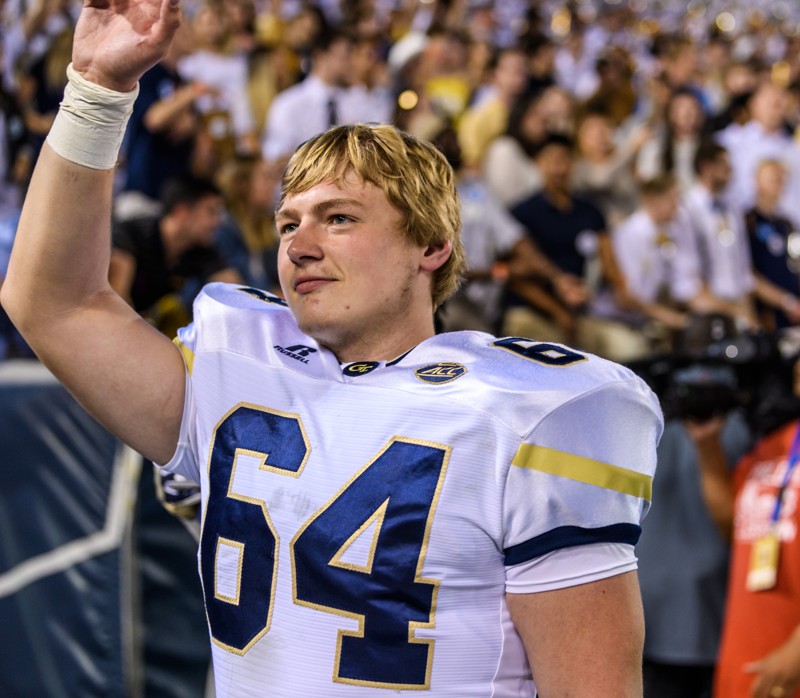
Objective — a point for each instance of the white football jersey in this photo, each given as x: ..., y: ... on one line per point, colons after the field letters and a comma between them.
x: 362, y: 522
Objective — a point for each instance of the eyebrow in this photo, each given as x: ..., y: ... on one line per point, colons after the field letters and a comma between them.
x: 320, y: 208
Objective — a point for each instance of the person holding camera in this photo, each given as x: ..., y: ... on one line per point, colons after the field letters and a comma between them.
x: 684, y: 548
x: 760, y: 650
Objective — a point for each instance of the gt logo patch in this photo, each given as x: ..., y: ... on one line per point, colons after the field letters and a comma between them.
x: 359, y: 368
x: 443, y: 372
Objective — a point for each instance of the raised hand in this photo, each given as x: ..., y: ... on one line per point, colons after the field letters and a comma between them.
x: 116, y: 41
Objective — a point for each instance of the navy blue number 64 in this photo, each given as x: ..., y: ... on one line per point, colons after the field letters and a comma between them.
x: 394, y: 496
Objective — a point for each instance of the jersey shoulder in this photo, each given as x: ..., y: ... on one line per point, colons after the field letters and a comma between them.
x: 521, y: 381
x: 243, y: 320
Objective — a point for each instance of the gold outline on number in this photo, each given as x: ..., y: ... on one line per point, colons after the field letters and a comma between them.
x: 251, y: 500
x: 496, y: 344
x: 413, y: 626
x: 378, y: 516
x: 233, y: 600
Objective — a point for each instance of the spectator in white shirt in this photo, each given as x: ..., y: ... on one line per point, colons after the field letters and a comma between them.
x: 657, y: 257
x: 764, y: 137
x: 225, y: 105
x: 315, y: 104
x: 369, y: 95
x: 719, y: 234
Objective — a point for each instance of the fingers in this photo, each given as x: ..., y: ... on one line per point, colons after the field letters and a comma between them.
x: 169, y: 18
x: 769, y: 684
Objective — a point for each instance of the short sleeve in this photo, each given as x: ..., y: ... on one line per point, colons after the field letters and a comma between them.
x: 185, y: 461
x: 582, y: 477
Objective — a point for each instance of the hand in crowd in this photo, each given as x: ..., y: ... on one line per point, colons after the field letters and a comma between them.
x: 791, y: 306
x: 639, y: 137
x: 566, y: 322
x: 778, y: 674
x: 38, y: 14
x: 571, y: 290
x: 673, y: 319
x: 624, y: 299
x: 707, y: 432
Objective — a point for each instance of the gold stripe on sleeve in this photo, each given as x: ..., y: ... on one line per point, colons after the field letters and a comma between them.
x: 188, y: 354
x: 591, y: 472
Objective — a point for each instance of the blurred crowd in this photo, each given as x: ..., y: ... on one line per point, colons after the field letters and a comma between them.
x: 624, y: 167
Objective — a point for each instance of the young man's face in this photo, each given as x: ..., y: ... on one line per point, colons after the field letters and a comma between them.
x: 336, y: 63
x: 663, y: 206
x: 721, y: 172
x: 511, y: 73
x: 347, y: 272
x: 555, y: 164
x: 770, y: 180
x: 202, y: 219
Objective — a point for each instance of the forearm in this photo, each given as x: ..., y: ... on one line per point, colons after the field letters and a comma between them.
x: 715, y: 479
x: 774, y: 296
x: 716, y: 487
x: 161, y: 115
x: 35, y: 19
x: 608, y: 263
x: 130, y: 377
x: 536, y: 296
x: 527, y: 261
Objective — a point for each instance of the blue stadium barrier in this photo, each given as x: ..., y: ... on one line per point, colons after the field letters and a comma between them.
x: 99, y: 594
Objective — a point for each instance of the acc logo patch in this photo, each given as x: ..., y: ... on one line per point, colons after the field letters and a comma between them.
x: 359, y: 368
x: 443, y: 372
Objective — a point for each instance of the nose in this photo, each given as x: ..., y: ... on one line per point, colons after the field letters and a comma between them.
x: 305, y: 244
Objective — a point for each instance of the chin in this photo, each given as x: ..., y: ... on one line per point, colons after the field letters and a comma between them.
x: 320, y: 327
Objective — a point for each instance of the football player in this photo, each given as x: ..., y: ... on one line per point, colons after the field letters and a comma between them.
x: 384, y: 509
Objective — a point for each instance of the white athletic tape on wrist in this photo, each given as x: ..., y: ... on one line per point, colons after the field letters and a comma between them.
x: 90, y: 125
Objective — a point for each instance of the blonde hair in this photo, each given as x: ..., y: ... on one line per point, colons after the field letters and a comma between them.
x: 414, y: 176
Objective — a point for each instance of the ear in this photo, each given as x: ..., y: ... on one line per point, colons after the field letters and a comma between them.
x: 435, y: 255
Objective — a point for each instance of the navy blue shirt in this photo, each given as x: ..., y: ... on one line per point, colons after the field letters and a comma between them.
x: 768, y: 236
x: 154, y: 158
x: 569, y: 238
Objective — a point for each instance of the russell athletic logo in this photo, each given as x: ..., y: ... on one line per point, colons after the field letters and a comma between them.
x: 298, y: 352
x: 443, y: 372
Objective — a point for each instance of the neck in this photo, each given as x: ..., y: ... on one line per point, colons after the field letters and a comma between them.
x: 657, y: 220
x: 708, y: 185
x: 769, y: 128
x: 505, y: 97
x: 766, y: 204
x: 381, y: 347
x: 597, y: 156
x: 558, y: 196
x: 323, y: 77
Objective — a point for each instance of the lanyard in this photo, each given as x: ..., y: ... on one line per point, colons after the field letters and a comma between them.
x: 794, y: 457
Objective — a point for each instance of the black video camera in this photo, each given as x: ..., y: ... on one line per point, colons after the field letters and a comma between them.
x: 747, y: 372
